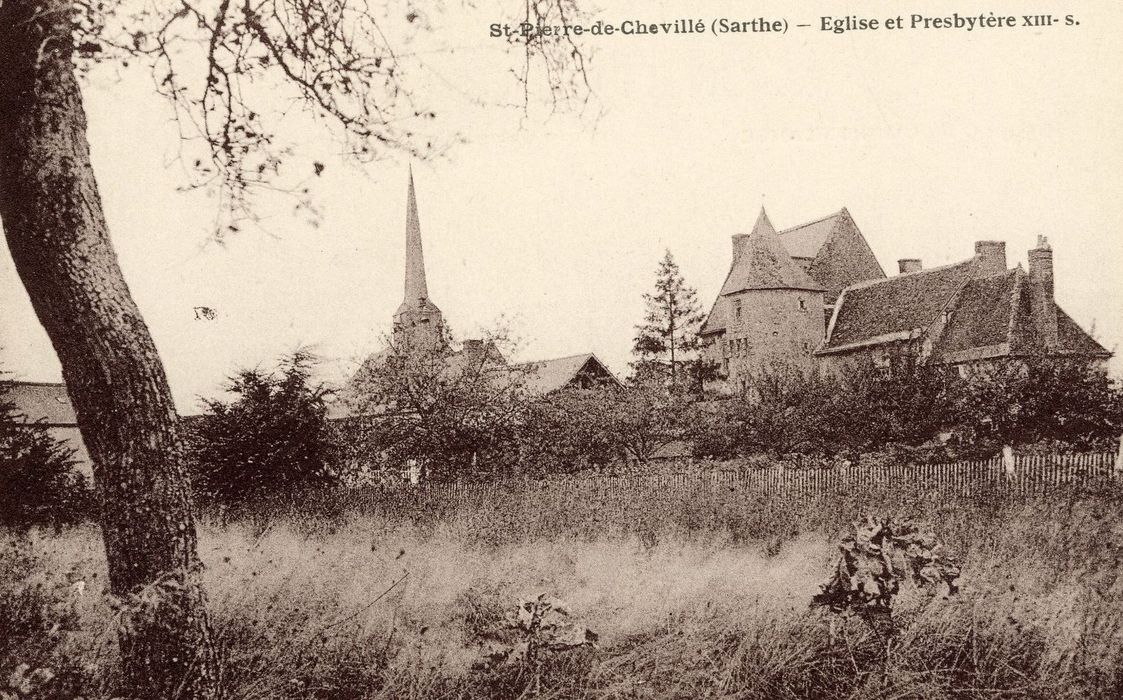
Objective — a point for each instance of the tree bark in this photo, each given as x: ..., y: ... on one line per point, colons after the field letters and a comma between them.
x: 57, y: 234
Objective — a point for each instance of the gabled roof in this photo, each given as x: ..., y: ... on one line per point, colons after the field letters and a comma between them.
x: 970, y: 317
x: 715, y: 320
x: 41, y: 401
x: 806, y: 240
x: 988, y: 311
x: 1073, y: 340
x: 997, y: 313
x: 765, y: 264
x: 557, y: 373
x: 898, y: 305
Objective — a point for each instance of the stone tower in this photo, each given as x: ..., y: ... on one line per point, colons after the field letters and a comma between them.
x: 769, y: 311
x: 418, y: 323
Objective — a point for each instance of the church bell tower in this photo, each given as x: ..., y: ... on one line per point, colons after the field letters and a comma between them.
x: 418, y: 323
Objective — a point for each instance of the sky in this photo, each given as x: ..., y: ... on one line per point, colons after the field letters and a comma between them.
x: 932, y: 140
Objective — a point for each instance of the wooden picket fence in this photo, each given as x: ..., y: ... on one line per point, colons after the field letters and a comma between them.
x: 1016, y: 474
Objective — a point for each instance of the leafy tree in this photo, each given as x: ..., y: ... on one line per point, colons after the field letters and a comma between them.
x: 272, y: 437
x: 227, y: 69
x: 572, y: 429
x: 1026, y: 401
x: 784, y: 412
x: 646, y: 419
x: 870, y: 409
x: 667, y: 341
x: 457, y: 413
x: 38, y: 482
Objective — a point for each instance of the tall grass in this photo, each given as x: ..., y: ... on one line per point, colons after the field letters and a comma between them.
x: 371, y: 595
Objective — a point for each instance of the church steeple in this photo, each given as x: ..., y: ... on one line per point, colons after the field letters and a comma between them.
x: 418, y: 322
x: 416, y: 288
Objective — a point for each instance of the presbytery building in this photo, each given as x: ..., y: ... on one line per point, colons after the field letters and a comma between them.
x: 815, y: 297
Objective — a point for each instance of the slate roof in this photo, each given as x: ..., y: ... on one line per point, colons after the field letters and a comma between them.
x: 765, y: 264
x: 895, y: 305
x: 988, y: 311
x: 999, y: 310
x: 826, y: 255
x: 551, y: 375
x: 988, y: 316
x: 1074, y: 340
x: 715, y: 320
x: 43, y: 401
x: 806, y: 240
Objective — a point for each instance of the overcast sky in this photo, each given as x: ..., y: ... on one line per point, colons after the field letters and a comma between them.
x: 933, y: 140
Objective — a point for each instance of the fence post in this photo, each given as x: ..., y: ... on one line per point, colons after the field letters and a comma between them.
x: 1008, y: 461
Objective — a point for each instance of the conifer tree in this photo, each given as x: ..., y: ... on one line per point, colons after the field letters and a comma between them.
x: 667, y: 342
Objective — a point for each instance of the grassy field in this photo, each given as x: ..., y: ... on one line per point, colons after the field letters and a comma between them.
x: 368, y: 597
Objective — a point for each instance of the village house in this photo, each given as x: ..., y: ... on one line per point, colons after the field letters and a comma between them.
x: 815, y: 297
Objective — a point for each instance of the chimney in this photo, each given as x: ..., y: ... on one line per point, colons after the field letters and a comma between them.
x: 1041, y: 284
x: 740, y: 241
x: 991, y: 256
x: 907, y: 265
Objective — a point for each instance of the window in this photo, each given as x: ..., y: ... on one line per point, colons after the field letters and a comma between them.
x: 737, y: 310
x: 803, y: 304
x: 806, y: 346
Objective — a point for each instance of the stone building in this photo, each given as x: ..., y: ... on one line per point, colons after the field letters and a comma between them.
x: 816, y: 298
x: 966, y: 314
x: 780, y: 293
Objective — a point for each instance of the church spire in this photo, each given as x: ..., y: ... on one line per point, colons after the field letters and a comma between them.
x: 418, y: 321
x: 415, y: 288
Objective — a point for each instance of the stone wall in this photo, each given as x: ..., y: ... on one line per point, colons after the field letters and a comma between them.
x: 773, y: 326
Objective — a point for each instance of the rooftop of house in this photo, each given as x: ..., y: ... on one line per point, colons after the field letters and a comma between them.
x: 42, y: 401
x: 806, y: 240
x: 982, y: 314
x: 763, y: 263
x: 877, y: 308
x: 553, y: 374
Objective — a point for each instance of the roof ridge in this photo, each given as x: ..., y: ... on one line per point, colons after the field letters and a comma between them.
x: 563, y: 357
x: 820, y: 220
x: 869, y: 283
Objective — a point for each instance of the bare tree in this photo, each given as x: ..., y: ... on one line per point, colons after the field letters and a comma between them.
x: 220, y: 63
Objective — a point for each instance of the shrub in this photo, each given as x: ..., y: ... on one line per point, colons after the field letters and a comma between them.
x: 272, y: 438
x: 38, y: 482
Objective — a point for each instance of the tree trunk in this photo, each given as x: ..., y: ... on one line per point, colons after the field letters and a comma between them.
x: 56, y: 231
